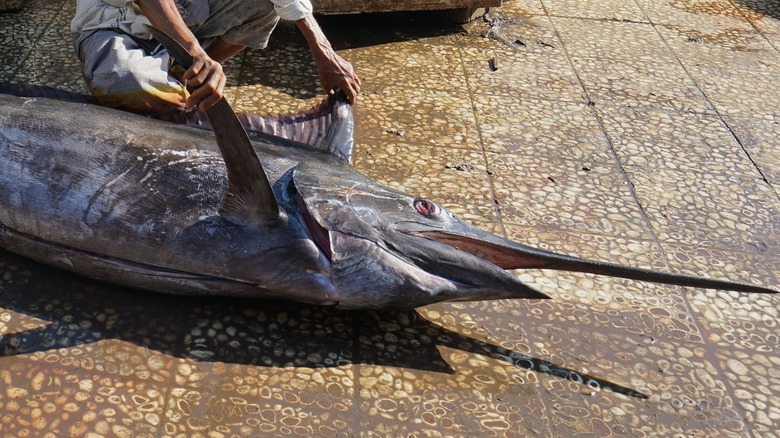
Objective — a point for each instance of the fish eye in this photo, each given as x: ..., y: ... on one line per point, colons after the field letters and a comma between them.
x: 426, y: 207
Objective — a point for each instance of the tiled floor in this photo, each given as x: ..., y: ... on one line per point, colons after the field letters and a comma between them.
x: 642, y: 132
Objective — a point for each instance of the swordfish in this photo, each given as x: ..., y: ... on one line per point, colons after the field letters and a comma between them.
x: 174, y: 208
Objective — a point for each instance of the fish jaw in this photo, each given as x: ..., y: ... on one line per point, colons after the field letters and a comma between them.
x: 385, y: 274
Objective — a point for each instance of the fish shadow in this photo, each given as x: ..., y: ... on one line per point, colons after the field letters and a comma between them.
x: 77, y: 311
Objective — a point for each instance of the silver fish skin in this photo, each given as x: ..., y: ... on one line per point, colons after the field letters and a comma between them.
x: 141, y: 202
x: 135, y: 201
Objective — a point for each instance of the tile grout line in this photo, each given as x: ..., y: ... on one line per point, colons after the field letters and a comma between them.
x: 753, y: 25
x: 715, y: 110
x: 34, y: 44
x: 709, y: 354
x: 608, y: 142
x: 549, y: 405
x: 481, y: 143
x: 547, y: 402
x: 647, y: 220
x: 733, y: 134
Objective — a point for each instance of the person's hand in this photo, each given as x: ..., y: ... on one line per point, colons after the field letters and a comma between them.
x: 335, y: 71
x: 206, y: 80
x: 332, y: 68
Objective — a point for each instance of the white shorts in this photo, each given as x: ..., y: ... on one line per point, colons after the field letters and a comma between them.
x: 133, y: 74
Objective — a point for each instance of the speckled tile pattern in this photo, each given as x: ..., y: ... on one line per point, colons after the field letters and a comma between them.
x: 755, y: 376
x: 446, y: 121
x: 562, y: 194
x: 564, y: 128
x: 601, y: 9
x: 758, y: 134
x: 730, y: 212
x: 433, y: 172
x: 688, y: 394
x: 642, y: 132
x: 617, y: 83
x: 698, y: 14
x: 612, y: 40
x: 431, y: 66
x: 522, y: 62
x: 647, y: 134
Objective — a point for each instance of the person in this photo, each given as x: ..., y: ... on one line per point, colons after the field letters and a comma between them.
x: 125, y: 68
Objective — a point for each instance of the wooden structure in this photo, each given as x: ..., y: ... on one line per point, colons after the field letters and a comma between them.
x: 10, y: 5
x: 464, y: 8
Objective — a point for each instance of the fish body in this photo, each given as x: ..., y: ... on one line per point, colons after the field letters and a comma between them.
x: 134, y: 200
x: 124, y: 198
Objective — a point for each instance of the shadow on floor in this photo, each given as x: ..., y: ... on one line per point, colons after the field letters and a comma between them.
x: 78, y: 311
x: 286, y: 64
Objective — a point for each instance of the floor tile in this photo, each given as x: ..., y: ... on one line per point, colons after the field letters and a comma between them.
x: 559, y: 128
x: 742, y: 321
x: 597, y: 10
x: 612, y: 40
x: 695, y: 13
x: 409, y: 65
x: 663, y: 85
x: 436, y: 118
x: 758, y: 134
x: 676, y: 377
x: 753, y: 376
x: 496, y: 72
x: 457, y: 179
x: 570, y: 195
x: 709, y: 210
x: 735, y: 46
x: 651, y: 138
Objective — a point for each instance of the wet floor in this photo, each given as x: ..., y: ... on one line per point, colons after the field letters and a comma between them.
x: 640, y: 132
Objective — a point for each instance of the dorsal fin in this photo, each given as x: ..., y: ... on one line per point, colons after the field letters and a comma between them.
x: 249, y: 199
x: 328, y: 126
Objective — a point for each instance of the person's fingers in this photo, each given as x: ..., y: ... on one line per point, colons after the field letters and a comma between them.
x: 207, y: 81
x: 356, y: 84
x: 192, y: 72
x: 207, y: 74
x: 352, y: 95
x: 338, y: 72
x: 350, y: 86
x: 213, y: 98
x: 348, y: 91
x: 207, y: 95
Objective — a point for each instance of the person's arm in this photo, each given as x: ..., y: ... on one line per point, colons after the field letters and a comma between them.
x: 332, y: 68
x: 205, y: 77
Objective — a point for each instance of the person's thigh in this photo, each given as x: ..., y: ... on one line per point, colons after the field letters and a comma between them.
x: 123, y: 74
x: 243, y: 22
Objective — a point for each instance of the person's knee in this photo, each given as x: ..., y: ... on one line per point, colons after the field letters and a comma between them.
x: 134, y: 93
x: 123, y: 75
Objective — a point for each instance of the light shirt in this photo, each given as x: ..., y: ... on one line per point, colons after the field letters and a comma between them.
x: 125, y: 16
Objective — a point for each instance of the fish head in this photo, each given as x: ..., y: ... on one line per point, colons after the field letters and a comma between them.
x: 409, y: 251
